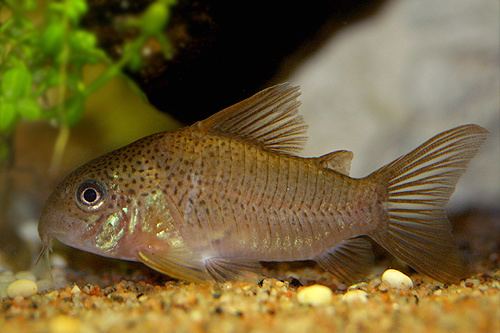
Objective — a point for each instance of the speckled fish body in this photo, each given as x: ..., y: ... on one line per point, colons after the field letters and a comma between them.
x: 212, y: 200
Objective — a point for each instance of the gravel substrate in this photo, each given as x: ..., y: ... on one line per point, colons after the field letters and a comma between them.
x: 156, y: 305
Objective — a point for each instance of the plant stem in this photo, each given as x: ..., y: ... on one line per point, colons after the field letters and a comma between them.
x: 59, y: 148
x: 63, y: 134
x: 116, y: 67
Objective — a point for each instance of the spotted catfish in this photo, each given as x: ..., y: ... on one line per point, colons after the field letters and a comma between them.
x: 215, y: 199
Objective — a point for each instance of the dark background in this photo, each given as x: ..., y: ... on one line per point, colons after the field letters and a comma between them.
x: 226, y: 50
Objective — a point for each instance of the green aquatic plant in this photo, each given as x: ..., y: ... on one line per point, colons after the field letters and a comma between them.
x: 43, y: 51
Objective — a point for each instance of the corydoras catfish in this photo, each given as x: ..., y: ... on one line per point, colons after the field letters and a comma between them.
x: 215, y: 199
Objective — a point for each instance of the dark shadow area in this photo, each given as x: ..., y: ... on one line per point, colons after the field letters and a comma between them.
x: 227, y: 50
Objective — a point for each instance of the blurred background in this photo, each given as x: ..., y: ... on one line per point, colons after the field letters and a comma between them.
x: 378, y: 77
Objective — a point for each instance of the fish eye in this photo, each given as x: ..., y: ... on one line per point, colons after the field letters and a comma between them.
x: 90, y: 195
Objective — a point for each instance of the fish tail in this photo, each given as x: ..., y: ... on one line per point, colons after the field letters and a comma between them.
x: 414, y: 190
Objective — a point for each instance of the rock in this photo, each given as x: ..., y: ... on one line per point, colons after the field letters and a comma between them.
x: 315, y: 295
x: 417, y: 67
x: 23, y: 287
x: 397, y: 280
x: 355, y: 295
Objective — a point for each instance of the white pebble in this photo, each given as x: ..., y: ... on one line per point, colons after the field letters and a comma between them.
x: 355, y: 295
x: 24, y: 288
x: 25, y: 275
x: 315, y: 295
x: 57, y: 261
x: 395, y: 279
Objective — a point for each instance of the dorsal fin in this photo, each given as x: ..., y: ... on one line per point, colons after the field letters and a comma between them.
x: 339, y: 161
x: 269, y: 118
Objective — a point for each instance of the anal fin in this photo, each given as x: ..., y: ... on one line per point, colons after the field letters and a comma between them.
x: 349, y: 261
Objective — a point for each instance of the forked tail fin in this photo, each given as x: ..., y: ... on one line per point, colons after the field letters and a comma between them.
x: 416, y: 188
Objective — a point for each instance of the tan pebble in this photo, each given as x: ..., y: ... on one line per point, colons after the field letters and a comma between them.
x: 64, y: 324
x: 395, y: 279
x: 483, y: 288
x: 25, y: 275
x: 18, y: 299
x: 354, y: 296
x: 52, y: 295
x: 470, y: 283
x: 196, y: 315
x: 315, y: 295
x: 360, y: 285
x: 438, y: 292
x: 75, y: 290
x: 22, y: 287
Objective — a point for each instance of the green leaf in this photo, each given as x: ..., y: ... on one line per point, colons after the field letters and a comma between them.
x: 7, y: 115
x: 154, y: 18
x: 29, y: 4
x: 82, y: 40
x: 74, y: 9
x: 29, y: 109
x: 16, y: 82
x: 53, y: 38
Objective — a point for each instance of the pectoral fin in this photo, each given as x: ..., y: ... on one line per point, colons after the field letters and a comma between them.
x: 221, y: 269
x: 176, y: 266
x: 349, y: 260
x: 186, y: 266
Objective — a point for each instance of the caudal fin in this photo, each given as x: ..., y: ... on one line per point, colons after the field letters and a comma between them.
x: 416, y: 188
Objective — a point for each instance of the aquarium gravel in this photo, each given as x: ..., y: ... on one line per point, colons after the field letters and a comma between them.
x: 147, y: 303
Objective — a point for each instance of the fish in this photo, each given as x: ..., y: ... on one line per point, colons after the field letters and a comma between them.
x: 214, y: 200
